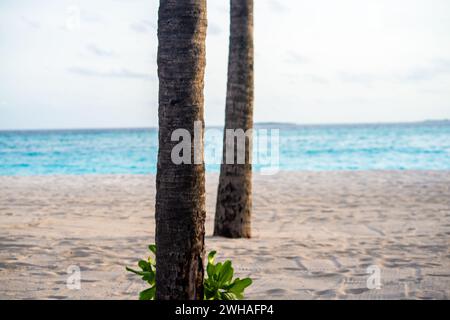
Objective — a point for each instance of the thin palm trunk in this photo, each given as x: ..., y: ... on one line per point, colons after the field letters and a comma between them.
x: 234, y: 199
x: 180, y: 189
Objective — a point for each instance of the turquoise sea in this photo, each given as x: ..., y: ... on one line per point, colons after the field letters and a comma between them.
x: 419, y: 146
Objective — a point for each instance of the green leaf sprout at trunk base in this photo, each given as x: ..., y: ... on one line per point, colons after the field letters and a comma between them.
x: 148, y: 274
x: 218, y: 286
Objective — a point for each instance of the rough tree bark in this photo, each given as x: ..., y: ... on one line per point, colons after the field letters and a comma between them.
x: 180, y: 189
x: 234, y: 199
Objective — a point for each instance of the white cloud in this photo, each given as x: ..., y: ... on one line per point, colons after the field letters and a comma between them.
x: 101, y: 52
x: 114, y: 73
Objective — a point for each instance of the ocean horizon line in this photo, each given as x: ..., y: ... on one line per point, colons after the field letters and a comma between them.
x: 264, y: 124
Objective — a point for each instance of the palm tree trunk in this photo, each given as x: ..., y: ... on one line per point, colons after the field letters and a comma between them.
x: 234, y: 199
x: 180, y: 189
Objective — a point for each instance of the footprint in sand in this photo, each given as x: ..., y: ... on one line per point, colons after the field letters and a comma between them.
x: 276, y: 292
x: 356, y: 290
x: 325, y: 293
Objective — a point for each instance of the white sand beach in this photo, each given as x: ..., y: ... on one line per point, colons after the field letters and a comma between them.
x: 315, y: 234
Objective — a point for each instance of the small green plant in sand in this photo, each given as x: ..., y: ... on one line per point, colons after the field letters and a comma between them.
x: 148, y: 274
x: 219, y: 285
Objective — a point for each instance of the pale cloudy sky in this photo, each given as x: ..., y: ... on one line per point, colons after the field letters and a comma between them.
x: 78, y: 64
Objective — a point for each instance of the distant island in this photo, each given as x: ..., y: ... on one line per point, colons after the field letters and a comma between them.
x: 274, y: 125
x: 444, y: 121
